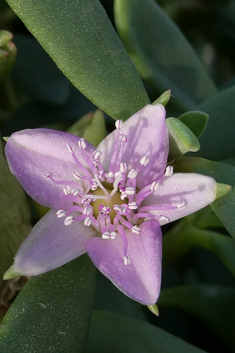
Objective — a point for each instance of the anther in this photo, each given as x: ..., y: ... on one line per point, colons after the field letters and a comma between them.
x: 123, y: 167
x: 127, y: 260
x: 67, y: 190
x: 70, y: 148
x: 82, y: 144
x: 118, y: 124
x: 94, y: 184
x: 122, y: 138
x: 129, y: 190
x: 106, y: 235
x: 132, y: 205
x: 169, y: 171
x: 96, y: 154
x: 75, y: 192
x: 135, y: 229
x: 181, y: 205
x: 132, y: 173
x: 154, y: 186
x: 117, y: 208
x: 144, y: 160
x: 68, y: 220
x: 113, y: 235
x: 48, y: 175
x: 164, y: 220
x: 87, y: 221
x: 60, y: 213
x: 77, y: 176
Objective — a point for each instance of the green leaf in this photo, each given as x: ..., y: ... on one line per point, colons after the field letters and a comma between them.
x: 37, y: 74
x: 161, y: 54
x: 222, y: 173
x: 181, y: 138
x: 52, y: 312
x: 81, y: 40
x: 96, y: 130
x: 196, y: 121
x: 217, y: 141
x: 14, y: 217
x: 213, y: 305
x: 117, y: 334
x: 184, y: 236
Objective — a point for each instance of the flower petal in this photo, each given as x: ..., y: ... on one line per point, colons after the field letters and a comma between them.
x: 33, y: 153
x: 141, y: 279
x: 51, y: 244
x: 195, y: 190
x: 147, y: 135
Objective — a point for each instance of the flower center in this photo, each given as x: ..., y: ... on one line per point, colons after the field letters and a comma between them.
x: 109, y: 200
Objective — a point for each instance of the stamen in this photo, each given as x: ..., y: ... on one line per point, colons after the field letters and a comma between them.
x: 68, y: 220
x: 154, y: 186
x: 123, y: 167
x: 113, y: 235
x: 77, y: 176
x: 132, y: 173
x: 135, y: 229
x: 164, y: 220
x: 106, y: 235
x: 127, y: 260
x: 118, y: 124
x: 87, y: 221
x: 82, y: 144
x: 60, y: 213
x: 96, y: 154
x: 169, y: 171
x: 132, y: 205
x: 144, y: 160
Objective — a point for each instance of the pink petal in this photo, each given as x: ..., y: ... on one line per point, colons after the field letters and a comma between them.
x: 147, y: 135
x: 195, y: 190
x: 51, y: 244
x: 141, y: 279
x: 33, y: 153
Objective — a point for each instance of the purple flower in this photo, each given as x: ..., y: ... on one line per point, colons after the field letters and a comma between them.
x: 108, y: 202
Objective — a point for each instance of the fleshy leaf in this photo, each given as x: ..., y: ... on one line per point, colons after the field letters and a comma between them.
x: 52, y: 310
x: 161, y: 53
x: 223, y: 173
x: 115, y: 333
x: 181, y: 138
x: 217, y: 142
x: 196, y: 121
x: 91, y: 127
x: 163, y: 98
x: 184, y: 236
x: 209, y: 304
x: 86, y: 48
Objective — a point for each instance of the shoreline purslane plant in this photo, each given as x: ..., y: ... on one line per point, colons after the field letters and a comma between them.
x: 109, y: 202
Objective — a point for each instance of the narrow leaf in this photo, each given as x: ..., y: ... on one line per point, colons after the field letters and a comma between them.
x: 52, y: 312
x: 81, y: 40
x: 213, y: 305
x: 161, y: 53
x: 117, y: 334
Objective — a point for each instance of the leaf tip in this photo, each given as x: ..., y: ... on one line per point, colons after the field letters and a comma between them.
x: 154, y: 309
x: 163, y: 98
x: 222, y: 189
x: 11, y: 273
